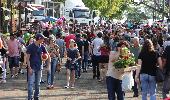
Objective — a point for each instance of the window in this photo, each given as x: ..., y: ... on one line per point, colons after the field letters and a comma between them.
x: 38, y: 13
x: 81, y: 14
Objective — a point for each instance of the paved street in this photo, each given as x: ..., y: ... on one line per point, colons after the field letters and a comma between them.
x: 86, y: 89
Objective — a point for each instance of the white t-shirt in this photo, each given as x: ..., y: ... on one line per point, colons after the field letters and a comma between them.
x: 112, y: 71
x: 97, y: 42
x: 166, y: 43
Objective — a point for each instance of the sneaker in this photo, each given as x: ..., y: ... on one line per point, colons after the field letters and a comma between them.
x: 3, y: 81
x: 52, y: 87
x: 66, y: 87
x: 72, y: 87
x: 48, y: 87
x: 100, y: 80
x: 42, y: 82
x: 16, y: 75
x: 12, y: 76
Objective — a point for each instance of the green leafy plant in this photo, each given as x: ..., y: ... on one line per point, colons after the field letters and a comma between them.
x: 126, y: 59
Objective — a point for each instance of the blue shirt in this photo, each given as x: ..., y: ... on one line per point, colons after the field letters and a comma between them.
x: 35, y: 56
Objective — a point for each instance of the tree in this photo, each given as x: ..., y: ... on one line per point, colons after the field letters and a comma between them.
x: 108, y: 8
x: 135, y: 14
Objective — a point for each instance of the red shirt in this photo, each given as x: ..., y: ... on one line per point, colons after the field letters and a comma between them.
x: 92, y: 35
x: 68, y: 38
x: 104, y: 51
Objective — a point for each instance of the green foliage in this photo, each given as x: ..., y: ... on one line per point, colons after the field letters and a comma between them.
x: 136, y: 15
x: 108, y: 8
x: 126, y: 59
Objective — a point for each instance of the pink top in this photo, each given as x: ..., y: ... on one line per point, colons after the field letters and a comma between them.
x: 13, y: 47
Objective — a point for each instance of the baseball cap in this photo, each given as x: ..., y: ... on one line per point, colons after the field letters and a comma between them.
x: 39, y: 36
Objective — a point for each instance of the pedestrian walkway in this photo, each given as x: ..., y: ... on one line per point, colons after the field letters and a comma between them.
x: 86, y: 89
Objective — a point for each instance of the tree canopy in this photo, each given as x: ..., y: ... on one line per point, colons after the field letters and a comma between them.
x: 136, y: 14
x: 108, y: 8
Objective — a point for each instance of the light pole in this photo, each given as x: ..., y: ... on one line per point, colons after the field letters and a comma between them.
x: 25, y: 13
x: 1, y: 14
x: 11, y: 21
x: 168, y: 21
x: 19, y: 25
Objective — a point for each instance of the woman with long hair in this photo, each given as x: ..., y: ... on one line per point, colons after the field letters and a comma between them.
x: 146, y: 72
x: 53, y: 50
x: 72, y: 56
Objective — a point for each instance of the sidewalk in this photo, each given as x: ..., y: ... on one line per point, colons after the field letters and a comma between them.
x: 85, y: 89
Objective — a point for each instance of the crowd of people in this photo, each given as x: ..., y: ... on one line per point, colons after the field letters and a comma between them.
x: 96, y: 46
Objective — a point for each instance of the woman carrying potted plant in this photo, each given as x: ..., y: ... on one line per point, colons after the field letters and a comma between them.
x: 114, y: 75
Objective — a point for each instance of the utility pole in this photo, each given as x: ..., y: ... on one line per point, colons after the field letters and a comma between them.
x: 19, y: 25
x: 11, y: 21
x: 168, y: 17
x: 0, y: 15
x: 163, y: 9
x: 25, y: 13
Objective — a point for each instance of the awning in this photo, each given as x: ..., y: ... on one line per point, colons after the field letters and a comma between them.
x: 33, y: 8
x: 5, y: 9
x: 29, y: 9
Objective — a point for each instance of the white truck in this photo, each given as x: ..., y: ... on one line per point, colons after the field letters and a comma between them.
x: 77, y: 11
x: 38, y: 12
x: 72, y: 10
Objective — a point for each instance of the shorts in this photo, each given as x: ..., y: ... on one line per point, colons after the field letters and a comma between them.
x: 71, y: 66
x: 22, y: 57
x: 104, y: 59
x: 13, y: 61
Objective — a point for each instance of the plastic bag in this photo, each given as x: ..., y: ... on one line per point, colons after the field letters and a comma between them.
x: 127, y: 81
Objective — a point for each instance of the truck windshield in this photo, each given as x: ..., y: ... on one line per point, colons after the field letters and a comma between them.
x: 81, y: 14
x: 40, y: 12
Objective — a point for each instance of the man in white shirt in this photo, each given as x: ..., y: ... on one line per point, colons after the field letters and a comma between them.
x: 167, y: 42
x: 96, y: 44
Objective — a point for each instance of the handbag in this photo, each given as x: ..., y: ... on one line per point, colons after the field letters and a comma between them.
x: 159, y: 75
x: 127, y: 81
x: 58, y: 66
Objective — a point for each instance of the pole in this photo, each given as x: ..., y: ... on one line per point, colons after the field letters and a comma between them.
x: 163, y: 9
x: 25, y: 13
x: 11, y: 21
x: 0, y: 16
x: 19, y: 26
x: 169, y: 17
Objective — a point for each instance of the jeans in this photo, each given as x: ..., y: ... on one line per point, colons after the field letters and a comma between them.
x: 148, y: 84
x: 114, y: 86
x: 34, y: 79
x: 78, y: 68
x: 4, y: 70
x: 51, y: 72
x: 135, y: 87
x: 166, y: 86
x: 85, y: 61
x: 95, y: 65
